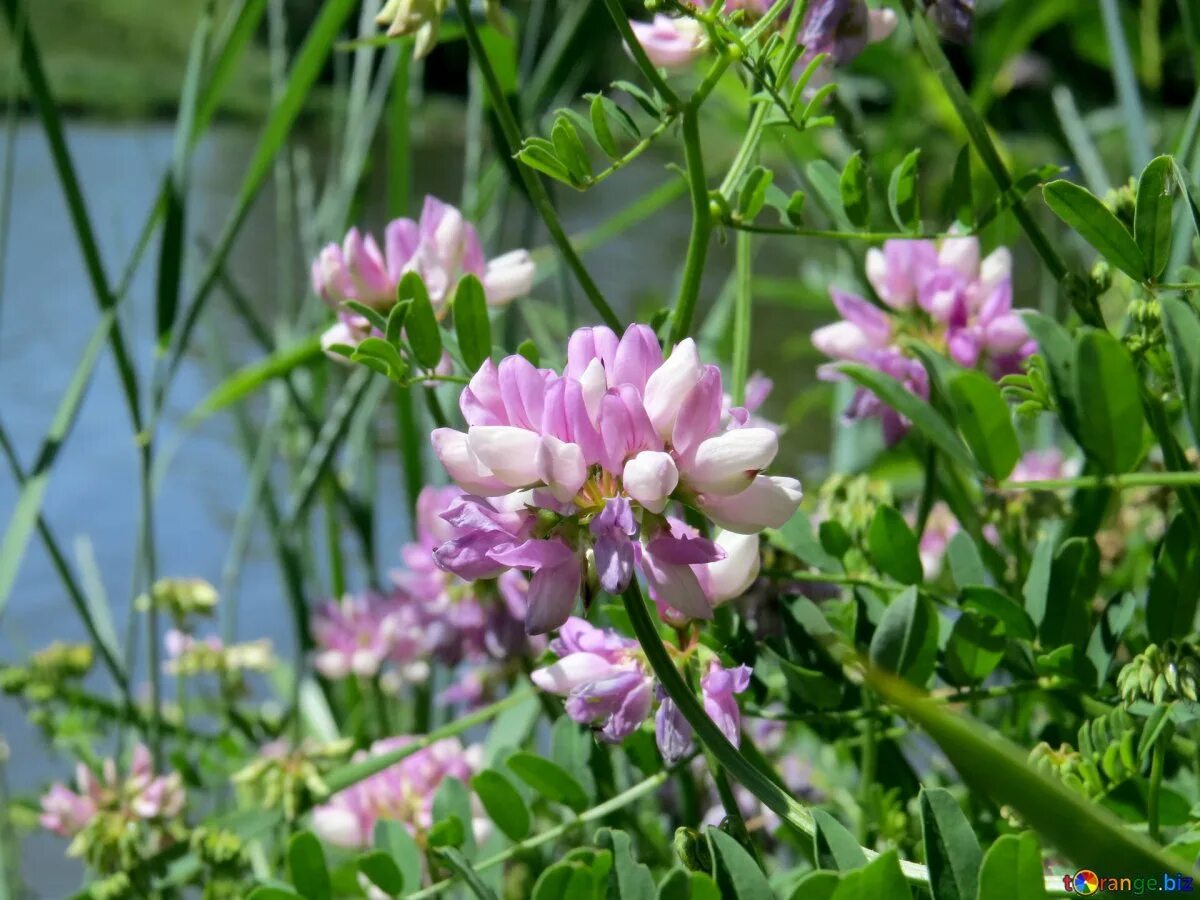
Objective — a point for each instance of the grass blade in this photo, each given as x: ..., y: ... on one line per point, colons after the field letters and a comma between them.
x: 1130, y: 100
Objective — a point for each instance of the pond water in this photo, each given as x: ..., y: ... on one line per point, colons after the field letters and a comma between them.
x: 47, y: 313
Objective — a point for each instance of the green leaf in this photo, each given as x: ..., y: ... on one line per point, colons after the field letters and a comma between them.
x: 1152, y: 213
x: 394, y: 329
x: 601, y: 129
x: 893, y: 547
x: 463, y: 869
x: 753, y: 193
x: 923, y: 416
x: 570, y: 150
x: 539, y: 154
x: 1110, y: 407
x: 951, y: 851
x: 421, y: 324
x: 966, y: 565
x: 880, y: 878
x: 169, y: 277
x: 991, y: 602
x: 1012, y: 869
x: 504, y: 805
x: 1182, y: 327
x: 528, y: 349
x: 377, y: 350
x: 903, y: 200
x: 393, y: 839
x: 795, y: 208
x: 471, y: 322
x: 1080, y: 829
x: 1099, y: 227
x: 373, y: 316
x: 571, y: 747
x: 270, y: 892
x: 381, y: 870
x: 629, y: 879
x: 856, y: 196
x: 738, y: 875
x: 549, y: 779
x: 1074, y: 576
x: 984, y: 420
x: 825, y: 181
x: 974, y: 648
x: 819, y: 885
x: 453, y: 801
x: 797, y: 538
x: 835, y: 847
x: 906, y: 641
x: 1175, y: 584
x: 306, y: 867
x: 447, y: 832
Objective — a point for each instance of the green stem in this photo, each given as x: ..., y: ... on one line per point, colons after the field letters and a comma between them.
x: 873, y: 237
x: 1156, y: 777
x: 697, y: 249
x: 533, y: 184
x: 741, y: 318
x: 866, y: 778
x: 1115, y: 482
x: 595, y: 814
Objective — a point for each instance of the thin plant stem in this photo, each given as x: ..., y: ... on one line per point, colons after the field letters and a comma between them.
x: 533, y: 183
x: 1115, y: 482
x: 742, y: 317
x: 1158, y: 760
x: 701, y: 231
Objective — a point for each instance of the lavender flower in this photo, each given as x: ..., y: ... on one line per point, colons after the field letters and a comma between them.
x: 441, y: 247
x: 670, y: 43
x: 580, y: 468
x: 358, y: 635
x: 941, y: 294
x: 402, y: 792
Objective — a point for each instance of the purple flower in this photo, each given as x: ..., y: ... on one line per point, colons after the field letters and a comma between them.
x: 441, y: 247
x: 613, y: 548
x: 602, y: 677
x: 670, y: 43
x: 953, y: 18
x: 941, y: 294
x: 402, y: 792
x: 672, y: 732
x: 142, y: 796
x: 599, y: 452
x: 718, y: 687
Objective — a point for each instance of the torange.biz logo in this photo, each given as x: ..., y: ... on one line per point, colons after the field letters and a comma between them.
x: 1085, y: 881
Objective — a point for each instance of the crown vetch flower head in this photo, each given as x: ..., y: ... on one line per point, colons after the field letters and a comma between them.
x: 570, y: 475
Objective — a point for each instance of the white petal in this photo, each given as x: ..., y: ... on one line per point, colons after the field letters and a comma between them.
x: 508, y: 277
x: 561, y: 467
x: 727, y: 463
x: 730, y: 577
x: 594, y: 383
x: 768, y: 503
x: 649, y: 478
x: 572, y: 671
x: 510, y: 452
x: 453, y: 450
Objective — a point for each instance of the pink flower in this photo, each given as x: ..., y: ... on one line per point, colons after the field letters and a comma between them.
x: 598, y: 453
x: 402, y: 792
x: 670, y: 43
x: 674, y: 733
x: 441, y: 247
x: 941, y: 294
x: 143, y: 796
x: 1044, y: 465
x: 359, y: 634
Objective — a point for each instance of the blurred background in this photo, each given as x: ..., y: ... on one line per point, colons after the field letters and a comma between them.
x: 1038, y: 71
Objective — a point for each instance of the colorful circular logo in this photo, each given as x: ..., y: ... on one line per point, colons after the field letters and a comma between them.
x: 1086, y: 882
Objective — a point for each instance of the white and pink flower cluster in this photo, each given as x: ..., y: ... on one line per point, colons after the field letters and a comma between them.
x: 141, y: 796
x: 943, y: 295
x: 429, y: 614
x: 441, y: 247
x: 402, y: 792
x: 570, y: 476
x: 609, y: 686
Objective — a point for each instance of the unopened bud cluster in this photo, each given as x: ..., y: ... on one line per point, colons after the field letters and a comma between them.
x: 1161, y: 674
